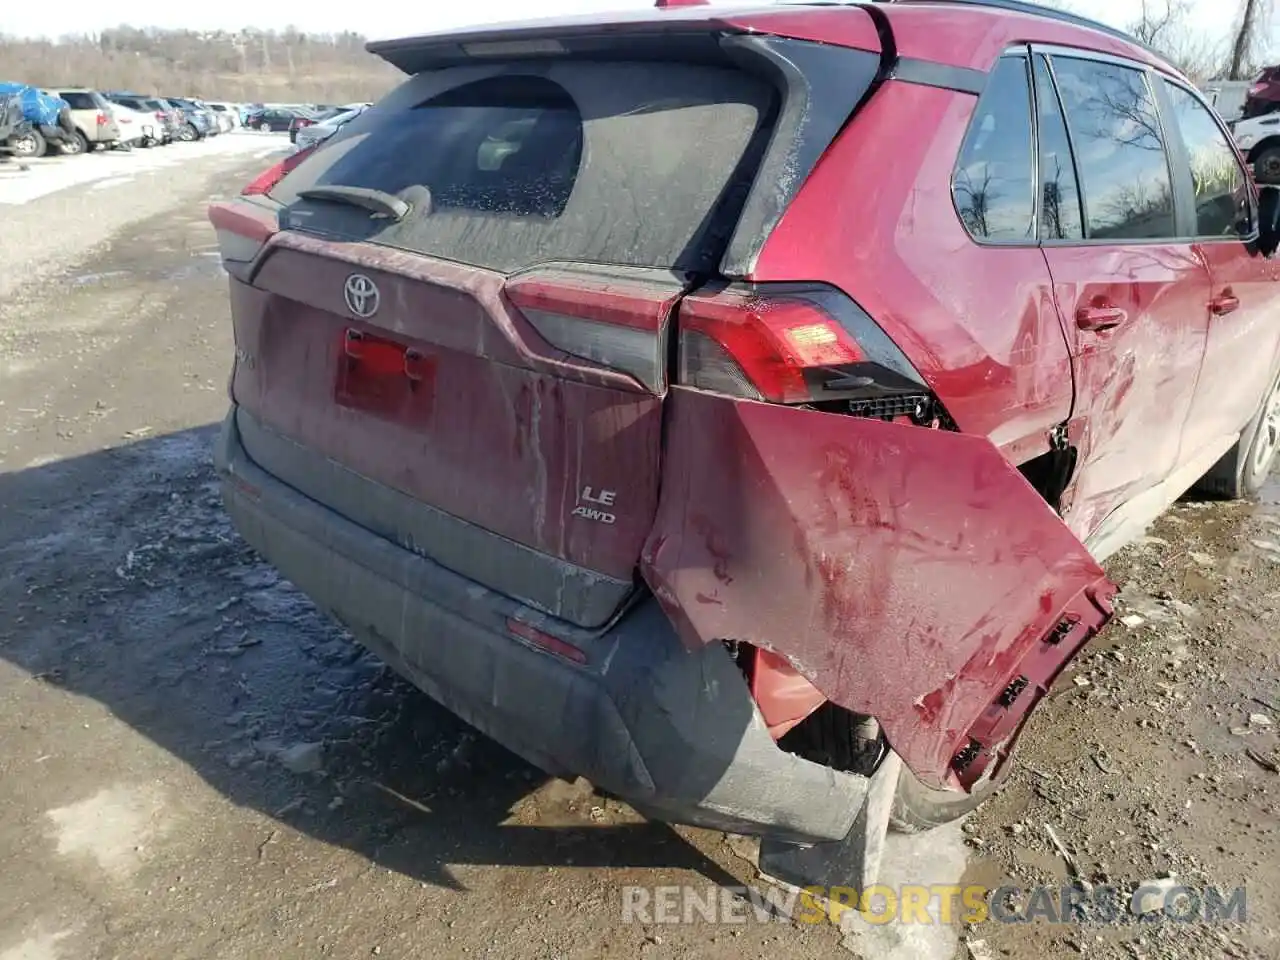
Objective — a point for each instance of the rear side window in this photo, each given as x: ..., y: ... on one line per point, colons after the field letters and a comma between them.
x: 1060, y: 214
x: 616, y: 163
x: 1222, y: 195
x: 1119, y: 149
x: 79, y: 101
x: 994, y: 183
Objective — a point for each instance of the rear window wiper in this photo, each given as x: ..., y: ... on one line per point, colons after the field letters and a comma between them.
x: 375, y: 201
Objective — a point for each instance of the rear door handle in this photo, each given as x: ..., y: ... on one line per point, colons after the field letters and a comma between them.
x: 1099, y: 318
x: 1227, y: 303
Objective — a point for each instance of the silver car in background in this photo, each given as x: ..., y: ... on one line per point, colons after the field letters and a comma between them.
x: 316, y: 133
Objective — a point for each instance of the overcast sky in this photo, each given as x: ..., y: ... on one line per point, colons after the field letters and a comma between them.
x: 383, y: 18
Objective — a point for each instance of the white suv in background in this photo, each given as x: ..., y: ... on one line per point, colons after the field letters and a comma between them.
x: 227, y: 115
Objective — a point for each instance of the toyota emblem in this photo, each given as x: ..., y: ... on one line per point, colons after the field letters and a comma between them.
x: 361, y: 294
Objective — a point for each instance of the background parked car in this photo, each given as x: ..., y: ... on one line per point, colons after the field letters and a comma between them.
x: 215, y: 127
x: 10, y: 118
x: 303, y: 120
x: 314, y: 134
x: 166, y: 118
x: 91, y: 113
x: 227, y: 114
x: 46, y: 121
x: 274, y: 119
x: 137, y: 128
x: 1264, y: 95
x: 197, y: 122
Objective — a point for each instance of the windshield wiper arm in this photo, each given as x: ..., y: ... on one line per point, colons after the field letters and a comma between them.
x: 375, y: 201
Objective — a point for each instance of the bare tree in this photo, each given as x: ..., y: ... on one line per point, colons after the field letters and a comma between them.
x: 1160, y: 19
x: 1163, y: 26
x: 1251, y: 33
x: 228, y: 65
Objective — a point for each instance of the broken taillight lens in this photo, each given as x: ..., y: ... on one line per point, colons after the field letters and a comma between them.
x: 793, y: 343
x: 264, y: 182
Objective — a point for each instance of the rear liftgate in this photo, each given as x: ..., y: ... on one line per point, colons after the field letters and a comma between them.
x: 910, y: 574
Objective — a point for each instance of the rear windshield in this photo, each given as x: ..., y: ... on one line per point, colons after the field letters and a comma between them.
x: 636, y: 164
x: 79, y: 101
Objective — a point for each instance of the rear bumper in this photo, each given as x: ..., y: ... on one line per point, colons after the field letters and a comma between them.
x: 674, y: 733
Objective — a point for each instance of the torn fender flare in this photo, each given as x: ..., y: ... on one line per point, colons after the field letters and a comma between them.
x: 910, y: 574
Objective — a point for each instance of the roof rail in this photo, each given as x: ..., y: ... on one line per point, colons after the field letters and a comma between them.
x: 1049, y: 13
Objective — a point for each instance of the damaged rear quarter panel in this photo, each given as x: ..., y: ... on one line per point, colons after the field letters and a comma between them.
x: 906, y: 572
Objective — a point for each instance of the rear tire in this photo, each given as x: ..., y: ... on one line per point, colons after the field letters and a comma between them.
x: 1266, y: 166
x: 1244, y: 468
x: 77, y: 144
x: 188, y: 133
x: 29, y: 145
x: 264, y: 127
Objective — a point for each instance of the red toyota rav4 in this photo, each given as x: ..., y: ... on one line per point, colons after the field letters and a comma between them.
x: 734, y: 406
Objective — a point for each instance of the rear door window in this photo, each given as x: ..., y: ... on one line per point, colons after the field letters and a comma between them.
x: 994, y: 183
x: 79, y: 101
x: 1119, y: 149
x: 1223, y: 207
x: 618, y: 163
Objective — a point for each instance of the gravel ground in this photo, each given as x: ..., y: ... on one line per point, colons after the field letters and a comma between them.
x: 116, y: 190
x: 196, y: 764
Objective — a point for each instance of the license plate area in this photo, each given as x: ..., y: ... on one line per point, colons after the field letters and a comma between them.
x: 383, y: 377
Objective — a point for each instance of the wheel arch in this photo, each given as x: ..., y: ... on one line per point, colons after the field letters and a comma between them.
x: 1262, y: 145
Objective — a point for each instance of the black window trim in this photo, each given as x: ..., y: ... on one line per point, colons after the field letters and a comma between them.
x: 1185, y: 185
x: 1018, y: 52
x: 1056, y: 93
x: 1051, y: 51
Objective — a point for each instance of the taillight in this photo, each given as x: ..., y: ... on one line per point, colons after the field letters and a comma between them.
x: 267, y: 180
x: 103, y: 119
x: 798, y: 343
x: 160, y: 115
x: 616, y: 320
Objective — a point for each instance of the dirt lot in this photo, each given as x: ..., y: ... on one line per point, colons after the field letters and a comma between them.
x: 194, y: 763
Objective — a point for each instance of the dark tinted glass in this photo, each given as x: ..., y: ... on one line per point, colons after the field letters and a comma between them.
x: 1119, y: 150
x: 994, y: 184
x: 486, y: 147
x: 79, y: 101
x: 1222, y: 196
x: 622, y: 162
x: 1060, y: 216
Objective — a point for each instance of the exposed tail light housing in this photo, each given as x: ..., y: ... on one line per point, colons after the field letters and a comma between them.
x: 243, y: 228
x: 617, y: 320
x: 798, y: 344
x: 266, y: 181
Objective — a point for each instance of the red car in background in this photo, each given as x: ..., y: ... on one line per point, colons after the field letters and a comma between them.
x: 734, y: 407
x: 1264, y: 95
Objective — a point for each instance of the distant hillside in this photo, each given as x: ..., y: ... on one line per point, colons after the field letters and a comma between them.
x: 249, y: 66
